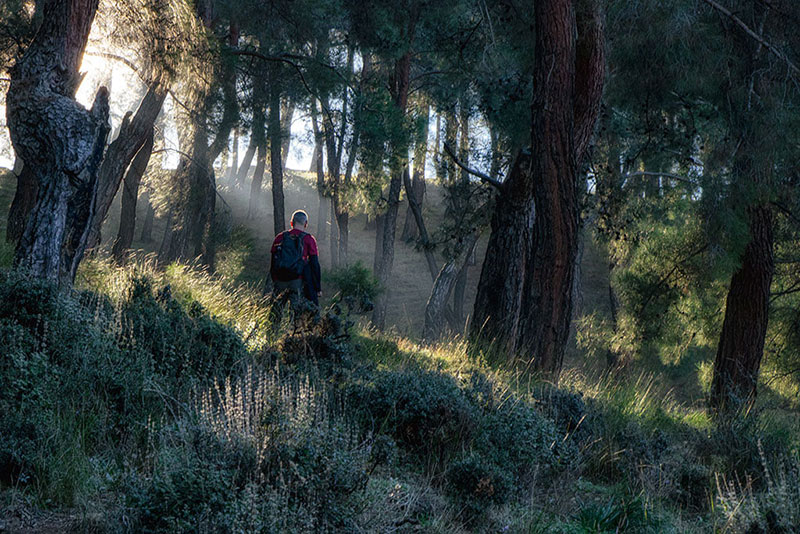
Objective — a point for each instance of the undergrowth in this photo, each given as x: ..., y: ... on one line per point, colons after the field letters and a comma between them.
x: 179, y: 401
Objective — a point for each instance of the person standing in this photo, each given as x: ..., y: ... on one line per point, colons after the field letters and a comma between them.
x: 295, y: 268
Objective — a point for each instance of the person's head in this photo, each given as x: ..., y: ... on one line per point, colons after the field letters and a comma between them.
x: 299, y: 219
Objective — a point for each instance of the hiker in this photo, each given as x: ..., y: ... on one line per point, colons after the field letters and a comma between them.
x: 295, y: 266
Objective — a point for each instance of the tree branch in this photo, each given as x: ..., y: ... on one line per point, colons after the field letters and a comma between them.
x: 484, y: 177
x: 739, y: 22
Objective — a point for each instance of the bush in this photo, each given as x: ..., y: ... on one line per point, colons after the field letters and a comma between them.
x: 477, y: 484
x: 315, y: 337
x: 80, y: 371
x: 520, y: 441
x: 184, y: 345
x: 357, y: 287
x: 426, y: 412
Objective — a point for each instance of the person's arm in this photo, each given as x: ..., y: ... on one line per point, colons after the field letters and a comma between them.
x: 313, y: 263
x: 316, y: 273
x: 275, y: 243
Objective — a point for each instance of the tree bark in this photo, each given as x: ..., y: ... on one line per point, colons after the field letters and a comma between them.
x: 60, y: 140
x: 744, y: 328
x: 258, y: 177
x: 287, y: 115
x: 247, y: 161
x: 547, y: 291
x: 317, y: 165
x: 234, y: 157
x: 524, y: 297
x: 21, y: 206
x: 496, y: 311
x: 741, y: 342
x: 130, y: 194
x: 258, y: 141
x: 278, y: 210
x: 149, y: 218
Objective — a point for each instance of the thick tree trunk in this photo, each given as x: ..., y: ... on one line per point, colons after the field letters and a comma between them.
x: 741, y: 342
x: 130, y: 194
x: 524, y: 298
x: 21, y: 206
x: 499, y: 298
x: 60, y: 140
x: 547, y: 292
x: 278, y: 210
x: 399, y: 89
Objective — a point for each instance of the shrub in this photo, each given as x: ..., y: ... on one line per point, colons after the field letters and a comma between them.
x: 575, y: 417
x: 519, y: 440
x: 80, y: 371
x: 183, y: 344
x: 357, y: 287
x: 477, y: 484
x: 315, y: 337
x: 616, y: 516
x: 426, y: 412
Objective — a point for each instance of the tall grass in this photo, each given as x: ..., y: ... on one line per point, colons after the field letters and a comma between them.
x: 243, y: 307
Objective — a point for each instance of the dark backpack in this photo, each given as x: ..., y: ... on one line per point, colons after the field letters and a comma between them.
x: 288, y: 261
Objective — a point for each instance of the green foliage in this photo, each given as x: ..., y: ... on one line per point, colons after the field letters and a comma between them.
x: 80, y: 371
x: 523, y: 442
x: 426, y: 412
x: 624, y: 515
x: 477, y: 484
x: 357, y: 286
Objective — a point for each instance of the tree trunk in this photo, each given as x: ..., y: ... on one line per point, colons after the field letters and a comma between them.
x: 149, y: 217
x: 133, y: 134
x: 247, y: 161
x: 130, y: 194
x: 524, y: 297
x: 255, y: 185
x: 496, y: 311
x: 547, y: 291
x: 442, y: 287
x: 287, y: 114
x: 258, y: 141
x: 744, y: 328
x: 399, y: 89
x: 233, y: 164
x: 334, y: 236
x: 410, y: 230
x: 317, y: 165
x: 741, y: 342
x: 278, y: 210
x: 21, y: 206
x: 60, y: 140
